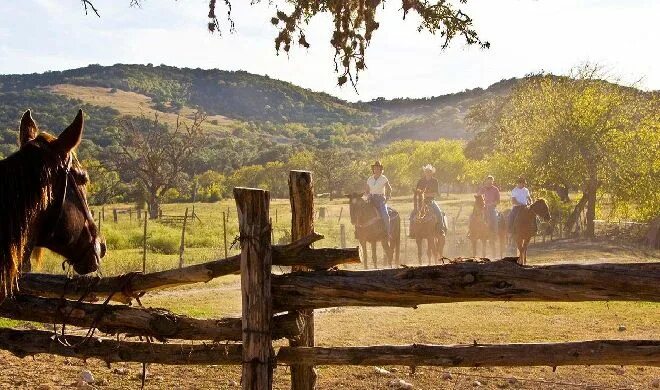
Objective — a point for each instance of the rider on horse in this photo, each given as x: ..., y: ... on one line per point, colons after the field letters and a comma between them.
x: 491, y: 197
x: 379, y: 191
x: 520, y: 198
x: 429, y: 186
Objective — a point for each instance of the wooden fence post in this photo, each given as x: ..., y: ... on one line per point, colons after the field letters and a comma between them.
x: 342, y: 235
x: 103, y: 213
x: 144, y: 244
x: 183, y: 239
x: 341, y: 210
x: 256, y: 259
x: 301, y: 196
x: 224, y: 231
x: 114, y: 215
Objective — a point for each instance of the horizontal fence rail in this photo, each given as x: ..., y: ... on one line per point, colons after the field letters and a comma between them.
x: 135, y: 321
x: 468, y: 281
x: 24, y: 343
x: 125, y: 287
x: 596, y: 352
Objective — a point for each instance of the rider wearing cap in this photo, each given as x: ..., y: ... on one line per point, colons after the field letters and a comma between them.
x: 430, y: 187
x: 492, y: 198
x: 379, y: 191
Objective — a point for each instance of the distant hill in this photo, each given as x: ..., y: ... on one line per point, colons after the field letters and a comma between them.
x: 269, y: 118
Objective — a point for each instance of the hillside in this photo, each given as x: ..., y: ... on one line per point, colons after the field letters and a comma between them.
x: 260, y: 119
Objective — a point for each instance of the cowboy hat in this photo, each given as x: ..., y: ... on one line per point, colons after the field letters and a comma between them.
x: 377, y: 164
x: 428, y: 167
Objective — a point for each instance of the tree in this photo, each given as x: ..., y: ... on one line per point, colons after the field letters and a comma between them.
x: 354, y: 24
x: 105, y: 186
x: 584, y: 133
x: 334, y: 171
x: 155, y: 153
x: 404, y: 161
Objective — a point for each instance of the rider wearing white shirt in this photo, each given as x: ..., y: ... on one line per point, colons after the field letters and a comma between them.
x: 520, y: 197
x: 379, y: 190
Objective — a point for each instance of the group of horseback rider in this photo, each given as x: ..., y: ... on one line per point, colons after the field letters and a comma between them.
x: 379, y: 191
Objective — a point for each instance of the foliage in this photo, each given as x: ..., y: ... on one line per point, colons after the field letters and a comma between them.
x: 105, y: 186
x: 582, y: 133
x: 154, y: 155
x: 404, y: 160
x: 354, y: 24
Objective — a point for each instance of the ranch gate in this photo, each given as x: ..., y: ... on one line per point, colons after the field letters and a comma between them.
x: 282, y: 306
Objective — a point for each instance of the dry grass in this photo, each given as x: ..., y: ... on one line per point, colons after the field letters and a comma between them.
x: 132, y: 103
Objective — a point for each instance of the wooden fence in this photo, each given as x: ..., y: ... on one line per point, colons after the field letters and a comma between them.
x: 282, y: 306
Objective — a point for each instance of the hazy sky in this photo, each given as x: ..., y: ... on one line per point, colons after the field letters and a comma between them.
x: 526, y: 36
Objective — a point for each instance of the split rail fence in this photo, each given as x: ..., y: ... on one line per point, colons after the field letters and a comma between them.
x: 277, y: 306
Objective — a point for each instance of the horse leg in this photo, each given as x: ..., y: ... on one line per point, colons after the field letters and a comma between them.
x: 474, y: 247
x: 430, y: 248
x: 373, y: 254
x: 388, y: 252
x: 365, y: 255
x: 440, y: 248
x: 525, y: 246
x: 419, y: 243
x: 519, y: 244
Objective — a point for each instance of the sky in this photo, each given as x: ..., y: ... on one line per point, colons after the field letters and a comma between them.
x: 526, y: 36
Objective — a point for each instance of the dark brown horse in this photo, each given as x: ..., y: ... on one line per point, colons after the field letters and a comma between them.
x: 423, y: 227
x: 524, y: 226
x: 369, y: 228
x: 479, y: 230
x: 43, y: 204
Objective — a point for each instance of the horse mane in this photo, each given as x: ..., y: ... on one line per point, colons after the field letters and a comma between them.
x: 26, y: 179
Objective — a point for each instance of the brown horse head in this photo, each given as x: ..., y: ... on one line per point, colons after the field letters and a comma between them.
x: 356, y: 206
x: 44, y: 202
x: 479, y: 202
x: 540, y: 208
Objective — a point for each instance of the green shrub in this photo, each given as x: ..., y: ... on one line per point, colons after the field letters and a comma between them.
x: 163, y: 244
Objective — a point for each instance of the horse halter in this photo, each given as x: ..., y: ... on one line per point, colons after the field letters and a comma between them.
x: 89, y: 219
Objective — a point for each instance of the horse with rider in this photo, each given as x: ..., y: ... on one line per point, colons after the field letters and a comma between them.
x: 374, y: 221
x: 427, y: 221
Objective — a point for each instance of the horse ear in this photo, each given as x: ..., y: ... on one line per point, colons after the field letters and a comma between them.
x: 71, y: 136
x: 28, y: 129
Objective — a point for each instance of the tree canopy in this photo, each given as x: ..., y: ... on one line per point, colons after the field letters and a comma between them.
x: 354, y: 23
x: 578, y: 132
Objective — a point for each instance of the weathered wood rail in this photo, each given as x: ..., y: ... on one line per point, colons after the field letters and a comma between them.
x: 596, y: 352
x: 24, y: 343
x: 125, y: 287
x: 468, y: 281
x: 134, y: 321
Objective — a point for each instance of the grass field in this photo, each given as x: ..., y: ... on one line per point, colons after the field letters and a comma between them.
x: 484, y: 322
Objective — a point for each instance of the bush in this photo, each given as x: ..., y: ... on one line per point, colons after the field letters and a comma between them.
x: 163, y: 244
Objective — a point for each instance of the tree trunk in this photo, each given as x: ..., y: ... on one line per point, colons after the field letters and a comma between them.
x: 575, y: 214
x: 590, y: 232
x: 154, y: 205
x: 562, y: 192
